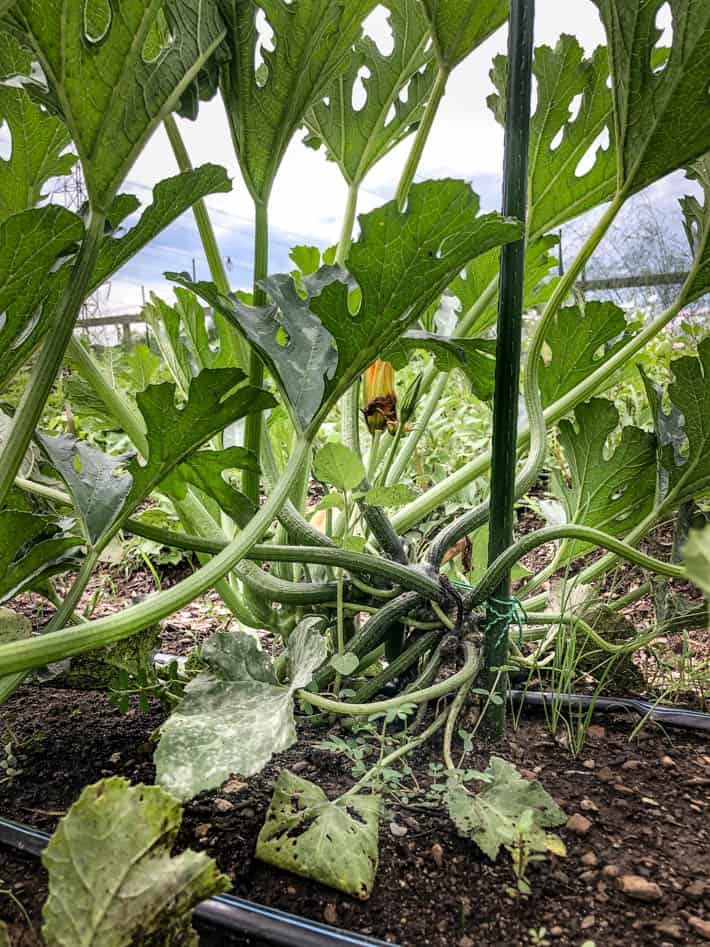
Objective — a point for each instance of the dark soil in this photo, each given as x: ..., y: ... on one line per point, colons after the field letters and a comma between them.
x: 647, y: 802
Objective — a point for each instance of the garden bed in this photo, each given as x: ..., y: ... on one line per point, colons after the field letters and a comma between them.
x: 646, y: 801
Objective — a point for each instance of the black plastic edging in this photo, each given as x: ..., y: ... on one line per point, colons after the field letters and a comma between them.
x: 225, y: 914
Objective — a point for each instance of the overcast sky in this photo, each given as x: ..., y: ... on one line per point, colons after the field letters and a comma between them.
x: 309, y: 193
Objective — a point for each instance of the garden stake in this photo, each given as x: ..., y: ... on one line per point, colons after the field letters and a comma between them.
x: 510, y: 321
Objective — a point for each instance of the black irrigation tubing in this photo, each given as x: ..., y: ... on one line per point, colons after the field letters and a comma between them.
x: 223, y: 917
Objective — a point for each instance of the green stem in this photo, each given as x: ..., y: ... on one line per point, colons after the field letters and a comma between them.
x: 346, y: 232
x: 420, y: 140
x: 451, y: 719
x: 23, y: 655
x: 253, y: 425
x: 44, y: 374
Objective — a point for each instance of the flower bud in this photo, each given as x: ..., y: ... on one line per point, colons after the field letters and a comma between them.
x: 380, y: 397
x: 410, y: 400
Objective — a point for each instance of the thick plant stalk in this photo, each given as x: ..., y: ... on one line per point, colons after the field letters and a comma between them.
x: 422, y: 135
x: 49, y: 362
x: 254, y: 422
x: 510, y: 329
x: 24, y: 655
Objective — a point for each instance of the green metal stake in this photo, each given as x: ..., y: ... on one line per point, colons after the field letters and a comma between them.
x: 510, y: 323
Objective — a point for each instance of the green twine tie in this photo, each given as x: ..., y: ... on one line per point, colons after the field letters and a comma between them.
x: 508, y: 612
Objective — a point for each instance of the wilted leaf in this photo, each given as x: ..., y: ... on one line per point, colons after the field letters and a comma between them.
x: 97, y: 481
x: 112, y: 879
x: 459, y: 26
x: 236, y: 715
x: 33, y: 547
x: 491, y: 817
x: 559, y: 140
x: 401, y: 263
x: 331, y: 842
x: 102, y: 81
x: 662, y: 110
x: 267, y: 91
x: 578, y: 341
x: 696, y: 557
x: 339, y: 466
x: 357, y: 136
x: 611, y: 492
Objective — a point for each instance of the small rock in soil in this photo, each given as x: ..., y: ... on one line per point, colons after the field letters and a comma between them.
x: 696, y: 890
x: 671, y: 928
x: 223, y: 805
x: 437, y: 853
x: 606, y: 775
x: 624, y: 790
x: 330, y: 913
x: 579, y: 824
x: 597, y: 732
x: 399, y: 831
x: 589, y: 921
x: 202, y: 830
x: 465, y: 941
x: 589, y: 764
x: 667, y: 762
x: 588, y: 806
x: 639, y: 888
x: 631, y: 764
x: 233, y: 786
x: 590, y: 860
x: 299, y: 767
x: 700, y: 926
x: 556, y: 931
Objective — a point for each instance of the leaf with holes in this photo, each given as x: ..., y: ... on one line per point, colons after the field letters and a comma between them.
x: 661, y: 110
x: 109, y: 83
x: 267, y: 101
x: 334, y: 843
x: 697, y: 227
x: 96, y: 481
x: 357, y: 134
x: 401, y: 264
x: 459, y: 26
x: 580, y: 339
x: 129, y: 888
x: 38, y: 140
x: 32, y: 548
x: 561, y: 140
x: 491, y: 816
x: 174, y: 433
x: 31, y: 243
x: 205, y: 470
x: 612, y: 492
x: 541, y: 268
x: 696, y: 558
x: 689, y: 394
x: 236, y: 715
x: 475, y: 357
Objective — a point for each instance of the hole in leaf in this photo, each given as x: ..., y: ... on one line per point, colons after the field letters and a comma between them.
x: 557, y: 140
x: 77, y: 464
x: 97, y: 19
x: 574, y: 107
x: 664, y: 41
x: 403, y: 95
x: 533, y: 96
x: 264, y: 44
x: 359, y: 94
x: 282, y: 337
x: 157, y: 40
x: 590, y: 156
x: 391, y: 115
x: 377, y: 26
x: 5, y: 142
x: 3, y: 320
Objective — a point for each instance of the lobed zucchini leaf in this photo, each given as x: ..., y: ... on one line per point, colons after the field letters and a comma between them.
x: 491, y: 817
x: 357, y: 136
x: 661, y: 102
x: 267, y: 91
x: 322, y: 332
x: 33, y: 547
x: 112, y: 879
x: 332, y: 842
x: 697, y: 227
x: 610, y: 491
x: 236, y: 715
x: 475, y: 357
x: 559, y: 140
x: 459, y: 26
x: 205, y: 470
x: 108, y: 79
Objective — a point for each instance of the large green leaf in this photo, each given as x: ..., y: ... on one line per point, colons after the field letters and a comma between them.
x: 175, y: 432
x: 541, y: 267
x: 38, y: 141
x: 696, y: 557
x: 236, y: 715
x: 400, y: 264
x: 697, y: 228
x: 661, y: 109
x: 332, y: 842
x: 459, y: 26
x: 475, y: 357
x: 491, y: 818
x: 33, y: 547
x: 109, y: 81
x: 31, y: 243
x: 112, y: 879
x: 559, y: 140
x: 579, y: 340
x: 357, y: 136
x: 205, y: 470
x: 690, y: 394
x: 610, y: 490
x: 92, y: 478
x: 267, y: 102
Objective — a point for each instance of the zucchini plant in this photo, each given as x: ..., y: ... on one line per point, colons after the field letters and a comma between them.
x: 368, y: 593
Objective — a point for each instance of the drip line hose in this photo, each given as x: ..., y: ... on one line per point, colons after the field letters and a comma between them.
x: 223, y: 917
